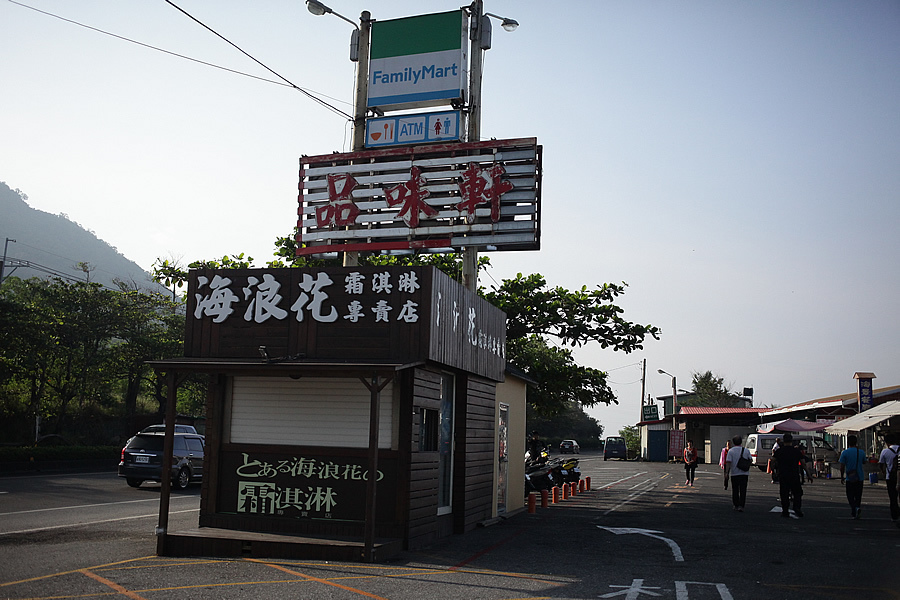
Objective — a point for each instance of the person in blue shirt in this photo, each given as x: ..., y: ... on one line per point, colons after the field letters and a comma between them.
x: 852, y: 460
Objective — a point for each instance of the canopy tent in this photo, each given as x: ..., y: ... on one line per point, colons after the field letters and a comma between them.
x: 791, y: 425
x: 866, y: 419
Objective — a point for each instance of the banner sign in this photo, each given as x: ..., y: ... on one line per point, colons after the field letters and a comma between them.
x: 864, y: 395
x: 418, y: 61
x: 366, y: 314
x: 413, y: 129
x: 676, y: 443
x: 439, y: 198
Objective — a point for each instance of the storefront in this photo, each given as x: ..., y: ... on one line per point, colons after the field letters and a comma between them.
x: 346, y: 404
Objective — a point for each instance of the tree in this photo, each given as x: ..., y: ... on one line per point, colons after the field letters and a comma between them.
x: 539, y: 319
x: 537, y: 315
x: 710, y: 390
x: 632, y: 437
x: 571, y: 423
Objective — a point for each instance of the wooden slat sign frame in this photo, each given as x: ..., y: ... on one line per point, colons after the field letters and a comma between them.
x: 435, y: 198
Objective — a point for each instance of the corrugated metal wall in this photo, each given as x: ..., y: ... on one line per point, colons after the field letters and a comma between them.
x: 312, y: 411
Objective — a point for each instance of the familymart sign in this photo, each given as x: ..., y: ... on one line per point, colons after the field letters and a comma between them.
x: 418, y: 61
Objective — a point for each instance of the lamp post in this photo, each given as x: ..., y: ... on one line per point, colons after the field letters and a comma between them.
x: 359, y: 53
x: 674, y: 396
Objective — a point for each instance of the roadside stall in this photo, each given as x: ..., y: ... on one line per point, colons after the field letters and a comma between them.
x: 351, y: 412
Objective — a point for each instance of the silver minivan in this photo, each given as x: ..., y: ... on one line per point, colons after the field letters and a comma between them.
x: 760, y: 447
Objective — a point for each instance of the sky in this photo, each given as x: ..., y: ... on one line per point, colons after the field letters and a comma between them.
x: 736, y: 163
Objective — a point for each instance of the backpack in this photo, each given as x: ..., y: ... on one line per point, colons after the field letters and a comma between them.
x: 895, y: 469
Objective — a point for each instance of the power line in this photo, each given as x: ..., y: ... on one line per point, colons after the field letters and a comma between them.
x: 239, y: 49
x: 284, y: 83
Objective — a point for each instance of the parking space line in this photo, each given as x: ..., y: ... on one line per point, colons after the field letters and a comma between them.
x: 112, y: 584
x: 316, y: 579
x: 107, y: 565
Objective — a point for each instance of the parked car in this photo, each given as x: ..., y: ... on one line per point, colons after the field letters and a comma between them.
x: 569, y: 446
x: 162, y: 428
x: 615, y: 448
x: 142, y: 458
x: 760, y: 447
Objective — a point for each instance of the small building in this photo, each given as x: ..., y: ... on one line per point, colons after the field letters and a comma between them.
x: 351, y: 412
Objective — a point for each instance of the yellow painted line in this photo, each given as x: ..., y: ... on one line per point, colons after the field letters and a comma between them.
x: 121, y: 562
x: 113, y: 585
x: 316, y: 579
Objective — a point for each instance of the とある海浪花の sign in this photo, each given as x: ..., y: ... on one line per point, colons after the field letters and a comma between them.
x: 418, y: 61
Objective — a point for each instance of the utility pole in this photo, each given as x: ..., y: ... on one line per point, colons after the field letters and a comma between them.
x: 351, y: 259
x: 473, y: 131
x: 3, y: 264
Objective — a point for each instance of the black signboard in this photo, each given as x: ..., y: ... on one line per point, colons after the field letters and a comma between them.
x: 300, y: 485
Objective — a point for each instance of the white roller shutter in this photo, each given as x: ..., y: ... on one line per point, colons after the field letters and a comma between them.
x: 311, y: 411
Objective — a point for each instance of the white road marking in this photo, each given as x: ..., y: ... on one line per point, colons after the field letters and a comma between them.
x: 37, y: 510
x: 155, y: 515
x: 676, y: 550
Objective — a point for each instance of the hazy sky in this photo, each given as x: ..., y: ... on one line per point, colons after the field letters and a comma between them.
x: 736, y: 163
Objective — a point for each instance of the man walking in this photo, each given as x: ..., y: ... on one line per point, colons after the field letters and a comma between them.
x: 791, y: 468
x: 852, y: 460
x: 886, y: 462
x: 737, y: 465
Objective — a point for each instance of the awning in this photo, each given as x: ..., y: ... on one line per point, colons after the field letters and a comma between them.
x: 791, y: 425
x: 866, y: 419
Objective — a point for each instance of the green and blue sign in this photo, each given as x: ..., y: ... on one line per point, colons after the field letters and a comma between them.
x: 418, y: 61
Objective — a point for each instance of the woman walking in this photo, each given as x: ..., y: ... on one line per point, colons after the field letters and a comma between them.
x: 690, y: 463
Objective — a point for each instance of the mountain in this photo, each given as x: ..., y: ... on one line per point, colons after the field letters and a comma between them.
x: 48, y: 245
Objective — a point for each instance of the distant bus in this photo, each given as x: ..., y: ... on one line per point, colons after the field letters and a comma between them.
x: 615, y: 448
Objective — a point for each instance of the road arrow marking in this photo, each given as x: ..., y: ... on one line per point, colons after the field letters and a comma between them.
x: 676, y: 551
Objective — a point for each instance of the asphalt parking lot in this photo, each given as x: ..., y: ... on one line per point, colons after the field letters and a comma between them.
x: 639, y: 533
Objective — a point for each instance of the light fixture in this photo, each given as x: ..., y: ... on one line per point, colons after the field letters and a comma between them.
x: 506, y: 23
x: 319, y: 9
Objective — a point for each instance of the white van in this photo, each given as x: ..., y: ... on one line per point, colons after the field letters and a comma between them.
x: 760, y: 447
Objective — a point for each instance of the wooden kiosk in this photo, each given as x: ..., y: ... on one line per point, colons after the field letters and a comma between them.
x: 321, y: 377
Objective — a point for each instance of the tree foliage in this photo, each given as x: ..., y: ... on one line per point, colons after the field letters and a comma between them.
x: 73, y: 350
x: 710, y: 390
x: 571, y: 422
x: 543, y: 323
x: 632, y: 437
x: 538, y: 315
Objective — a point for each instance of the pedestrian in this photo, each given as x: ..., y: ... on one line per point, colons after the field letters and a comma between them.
x: 772, y: 466
x: 852, y: 460
x: 723, y: 454
x: 737, y: 466
x: 690, y: 463
x: 791, y: 467
x: 887, y: 462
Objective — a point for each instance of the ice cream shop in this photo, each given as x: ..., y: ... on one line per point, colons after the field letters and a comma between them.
x: 351, y: 412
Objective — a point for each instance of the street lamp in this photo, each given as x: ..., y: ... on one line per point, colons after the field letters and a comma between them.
x: 674, y: 395
x: 359, y: 53
x: 505, y: 23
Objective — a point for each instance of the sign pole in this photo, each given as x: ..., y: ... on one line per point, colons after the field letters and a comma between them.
x: 351, y: 259
x: 470, y: 254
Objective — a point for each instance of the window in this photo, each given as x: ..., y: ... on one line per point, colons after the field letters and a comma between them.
x: 429, y: 430
x: 445, y: 446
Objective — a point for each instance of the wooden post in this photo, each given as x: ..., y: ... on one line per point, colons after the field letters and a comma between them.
x: 166, y: 466
x: 371, y: 488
